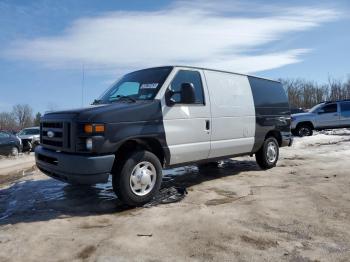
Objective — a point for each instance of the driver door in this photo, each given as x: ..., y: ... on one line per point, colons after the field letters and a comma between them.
x: 328, y: 116
x: 187, y: 126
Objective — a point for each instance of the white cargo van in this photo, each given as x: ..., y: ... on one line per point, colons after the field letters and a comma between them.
x: 164, y: 117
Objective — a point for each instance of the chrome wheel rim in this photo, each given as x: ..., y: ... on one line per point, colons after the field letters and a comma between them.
x: 143, y: 178
x: 271, y: 152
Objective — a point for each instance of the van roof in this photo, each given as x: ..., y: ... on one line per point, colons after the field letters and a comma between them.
x: 224, y: 71
x: 216, y: 70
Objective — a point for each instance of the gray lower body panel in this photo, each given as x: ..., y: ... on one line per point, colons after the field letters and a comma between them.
x: 76, y: 169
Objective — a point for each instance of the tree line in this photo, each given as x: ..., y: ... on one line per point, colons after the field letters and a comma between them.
x: 305, y: 94
x: 20, y: 117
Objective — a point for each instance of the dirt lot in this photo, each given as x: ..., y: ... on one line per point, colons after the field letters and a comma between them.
x: 298, y: 211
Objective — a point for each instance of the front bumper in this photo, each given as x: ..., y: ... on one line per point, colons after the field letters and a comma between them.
x: 71, y: 168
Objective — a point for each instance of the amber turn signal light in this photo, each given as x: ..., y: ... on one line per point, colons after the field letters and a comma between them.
x: 94, y: 128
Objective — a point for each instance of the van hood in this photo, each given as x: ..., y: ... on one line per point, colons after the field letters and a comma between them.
x: 123, y: 111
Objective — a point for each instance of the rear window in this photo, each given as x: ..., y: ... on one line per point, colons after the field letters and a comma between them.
x: 268, y: 93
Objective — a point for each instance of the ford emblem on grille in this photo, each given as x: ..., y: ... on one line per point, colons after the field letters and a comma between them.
x: 50, y: 134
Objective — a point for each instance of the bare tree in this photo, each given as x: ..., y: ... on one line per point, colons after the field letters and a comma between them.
x: 306, y: 94
x: 7, y: 122
x: 37, y: 118
x: 23, y: 115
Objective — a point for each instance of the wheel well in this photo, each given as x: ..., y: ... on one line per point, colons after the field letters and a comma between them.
x: 149, y: 144
x: 306, y: 123
x: 276, y: 134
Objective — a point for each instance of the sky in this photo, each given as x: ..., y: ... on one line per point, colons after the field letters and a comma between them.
x: 64, y: 54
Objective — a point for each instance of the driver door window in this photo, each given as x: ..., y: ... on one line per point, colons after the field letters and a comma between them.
x: 184, y: 76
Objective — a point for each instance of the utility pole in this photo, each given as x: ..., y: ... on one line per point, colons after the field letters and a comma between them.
x: 82, y: 85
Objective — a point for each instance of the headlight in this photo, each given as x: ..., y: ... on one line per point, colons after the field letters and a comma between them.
x: 89, y: 144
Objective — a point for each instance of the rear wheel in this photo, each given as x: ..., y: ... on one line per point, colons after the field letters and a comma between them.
x: 267, y: 155
x: 137, y: 179
x: 304, y: 130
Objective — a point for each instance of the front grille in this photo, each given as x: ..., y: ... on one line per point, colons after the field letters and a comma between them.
x: 56, y: 135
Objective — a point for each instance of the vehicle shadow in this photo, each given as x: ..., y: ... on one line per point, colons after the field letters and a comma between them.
x: 41, y: 200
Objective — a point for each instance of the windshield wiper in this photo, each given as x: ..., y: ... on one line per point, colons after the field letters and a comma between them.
x: 96, y: 101
x: 127, y: 98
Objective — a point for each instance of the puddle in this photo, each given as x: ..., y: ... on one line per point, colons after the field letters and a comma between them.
x: 37, y: 200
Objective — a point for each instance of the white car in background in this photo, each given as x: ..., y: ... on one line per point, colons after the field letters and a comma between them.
x: 30, y: 138
x: 326, y: 115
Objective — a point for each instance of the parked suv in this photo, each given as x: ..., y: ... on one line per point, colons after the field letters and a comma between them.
x: 326, y: 115
x: 9, y: 144
x: 30, y: 138
x: 164, y: 117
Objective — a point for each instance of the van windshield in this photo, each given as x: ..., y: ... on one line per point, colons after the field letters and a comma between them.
x: 139, y: 85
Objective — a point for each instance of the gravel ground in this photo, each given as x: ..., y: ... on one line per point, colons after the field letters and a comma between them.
x: 297, y: 211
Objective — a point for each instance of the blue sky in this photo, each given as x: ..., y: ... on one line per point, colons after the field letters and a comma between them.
x: 44, y: 44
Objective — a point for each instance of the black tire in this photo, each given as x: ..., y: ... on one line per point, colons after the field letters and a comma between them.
x: 121, y: 178
x: 263, y: 157
x: 304, y: 130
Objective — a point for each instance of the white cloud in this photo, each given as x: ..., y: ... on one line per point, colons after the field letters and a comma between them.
x: 193, y: 33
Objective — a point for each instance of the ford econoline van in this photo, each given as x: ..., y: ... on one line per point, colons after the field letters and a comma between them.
x: 164, y: 117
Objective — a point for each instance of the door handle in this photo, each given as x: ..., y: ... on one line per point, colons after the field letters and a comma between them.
x: 207, y: 125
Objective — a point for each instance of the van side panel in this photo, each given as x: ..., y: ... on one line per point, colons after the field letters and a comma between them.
x: 232, y: 112
x: 271, y: 108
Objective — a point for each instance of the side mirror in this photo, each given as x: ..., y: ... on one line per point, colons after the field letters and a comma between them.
x: 187, y: 93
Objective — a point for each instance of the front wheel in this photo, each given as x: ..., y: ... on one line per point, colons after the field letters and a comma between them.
x: 304, y: 130
x: 267, y: 155
x: 137, y: 180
